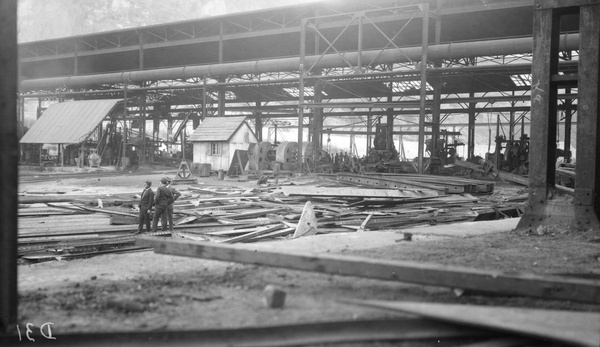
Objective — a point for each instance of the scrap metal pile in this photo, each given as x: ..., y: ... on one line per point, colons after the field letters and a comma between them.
x: 62, y: 226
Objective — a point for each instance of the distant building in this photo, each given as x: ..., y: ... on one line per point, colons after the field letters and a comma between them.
x: 217, y: 138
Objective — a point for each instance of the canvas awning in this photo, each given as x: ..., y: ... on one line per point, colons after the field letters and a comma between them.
x: 69, y: 122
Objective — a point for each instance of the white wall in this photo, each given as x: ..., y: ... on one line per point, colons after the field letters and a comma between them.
x: 240, y: 140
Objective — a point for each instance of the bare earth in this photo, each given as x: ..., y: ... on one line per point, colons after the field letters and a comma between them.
x: 144, y: 291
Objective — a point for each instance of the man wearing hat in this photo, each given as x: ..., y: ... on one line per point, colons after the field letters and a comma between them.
x: 176, y: 194
x: 145, y: 204
x: 162, y: 200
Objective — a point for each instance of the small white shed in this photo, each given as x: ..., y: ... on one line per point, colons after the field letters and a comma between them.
x: 216, y: 139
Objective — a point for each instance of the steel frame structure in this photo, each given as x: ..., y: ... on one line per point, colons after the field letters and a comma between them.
x: 206, y: 88
x: 548, y: 76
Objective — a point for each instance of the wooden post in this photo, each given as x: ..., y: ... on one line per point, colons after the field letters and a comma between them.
x: 8, y: 161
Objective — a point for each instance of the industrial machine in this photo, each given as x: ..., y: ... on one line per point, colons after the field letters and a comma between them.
x: 383, y: 149
x: 263, y: 156
x: 511, y: 155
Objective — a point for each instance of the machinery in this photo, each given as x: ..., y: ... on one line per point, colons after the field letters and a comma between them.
x: 383, y: 149
x: 445, y: 152
x: 511, y: 155
x: 263, y: 156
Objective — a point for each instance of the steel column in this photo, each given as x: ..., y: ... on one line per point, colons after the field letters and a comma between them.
x: 568, y: 120
x: 471, y: 129
x: 141, y: 51
x: 9, y: 149
x: 258, y: 125
x: 318, y: 117
x: 423, y: 98
x: 301, y: 93
x: 142, y: 127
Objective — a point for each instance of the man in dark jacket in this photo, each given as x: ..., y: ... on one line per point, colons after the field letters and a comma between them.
x: 145, y: 205
x: 162, y: 200
x: 176, y: 194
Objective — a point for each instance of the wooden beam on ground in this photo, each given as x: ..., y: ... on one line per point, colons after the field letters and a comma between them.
x: 357, y: 192
x: 577, y: 328
x: 547, y: 287
x: 250, y: 235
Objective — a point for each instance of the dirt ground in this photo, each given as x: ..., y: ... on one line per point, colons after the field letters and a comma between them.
x: 144, y: 291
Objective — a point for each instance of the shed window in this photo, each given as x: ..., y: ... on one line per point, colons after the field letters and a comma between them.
x: 216, y: 148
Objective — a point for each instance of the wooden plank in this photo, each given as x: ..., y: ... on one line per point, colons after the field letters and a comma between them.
x: 356, y: 193
x: 278, y: 233
x: 579, y: 328
x: 549, y: 287
x: 253, y: 234
x: 307, y: 225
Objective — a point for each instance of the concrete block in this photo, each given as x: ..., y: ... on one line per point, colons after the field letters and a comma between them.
x: 273, y: 297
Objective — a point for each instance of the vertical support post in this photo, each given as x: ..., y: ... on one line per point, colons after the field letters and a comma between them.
x: 543, y: 211
x: 437, y: 86
x: 544, y: 98
x: 423, y: 94
x: 75, y: 58
x: 183, y: 142
x: 221, y: 32
x: 124, y: 125
x: 221, y: 98
x: 568, y: 121
x: 318, y: 117
x: 258, y: 124
x: 471, y: 128
x: 588, y: 93
x: 390, y: 120
x: 8, y: 161
x: 498, y: 146
x: 141, y: 51
x: 143, y: 149
x: 204, y: 97
x: 301, y: 93
x: 511, y: 121
x: 360, y: 41
x: 369, y: 131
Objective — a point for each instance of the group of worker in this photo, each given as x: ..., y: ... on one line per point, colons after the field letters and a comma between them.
x: 162, y: 201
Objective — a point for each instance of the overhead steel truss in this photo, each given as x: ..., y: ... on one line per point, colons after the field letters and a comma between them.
x: 363, y: 59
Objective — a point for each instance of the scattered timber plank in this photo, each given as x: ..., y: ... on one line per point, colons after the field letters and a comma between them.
x: 274, y: 234
x: 524, y: 181
x: 255, y: 213
x: 356, y: 193
x: 579, y: 328
x: 253, y: 234
x: 307, y: 225
x: 185, y: 220
x: 101, y: 210
x: 548, y: 287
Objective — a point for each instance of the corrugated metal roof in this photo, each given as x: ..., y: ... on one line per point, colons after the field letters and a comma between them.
x: 217, y: 129
x: 69, y: 122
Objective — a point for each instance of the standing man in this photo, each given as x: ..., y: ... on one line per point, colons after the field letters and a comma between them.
x: 176, y: 194
x: 162, y: 200
x: 145, y: 204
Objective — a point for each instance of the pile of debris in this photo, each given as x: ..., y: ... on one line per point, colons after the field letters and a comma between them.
x: 61, y: 226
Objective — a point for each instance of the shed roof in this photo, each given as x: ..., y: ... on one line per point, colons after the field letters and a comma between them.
x: 217, y: 129
x: 69, y: 122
